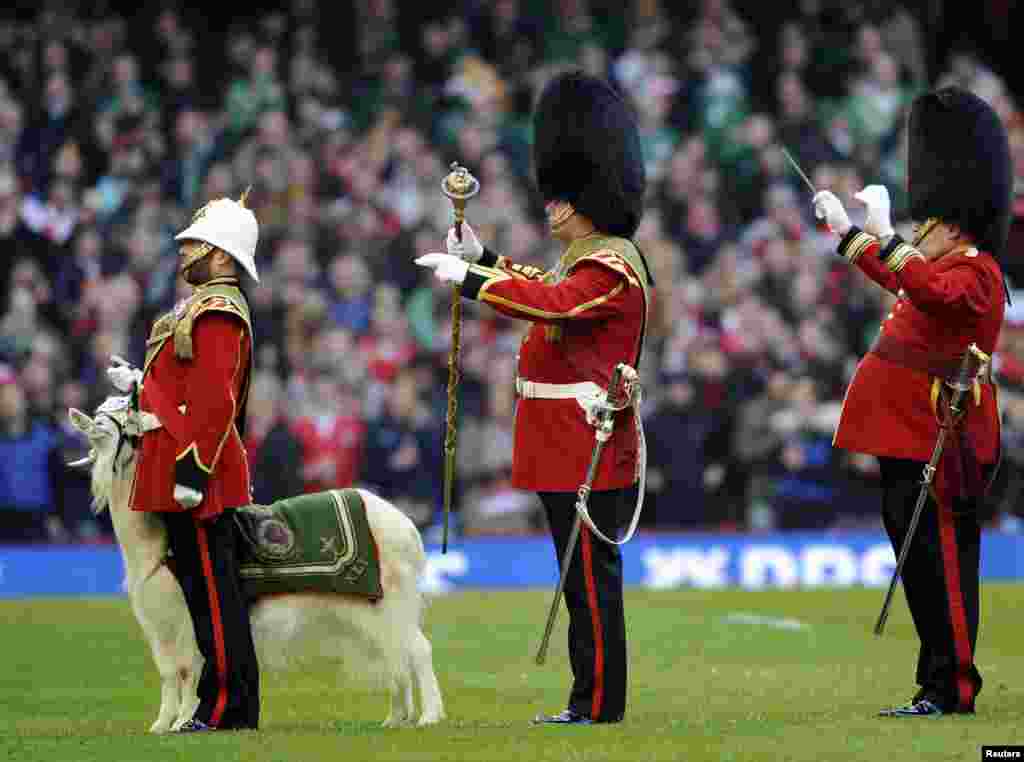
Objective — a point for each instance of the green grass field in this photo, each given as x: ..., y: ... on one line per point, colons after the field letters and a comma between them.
x: 76, y: 683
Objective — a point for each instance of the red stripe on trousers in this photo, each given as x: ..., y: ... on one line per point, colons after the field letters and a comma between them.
x: 957, y: 614
x: 597, y: 698
x: 218, y: 626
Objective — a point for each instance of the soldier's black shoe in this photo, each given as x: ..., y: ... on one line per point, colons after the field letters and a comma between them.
x: 195, y: 726
x: 565, y: 717
x: 922, y: 708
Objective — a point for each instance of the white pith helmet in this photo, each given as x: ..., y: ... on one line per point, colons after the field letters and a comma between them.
x: 229, y: 226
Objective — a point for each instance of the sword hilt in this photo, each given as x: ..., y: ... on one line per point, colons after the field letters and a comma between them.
x: 972, y: 364
x: 614, y: 395
x: 968, y: 370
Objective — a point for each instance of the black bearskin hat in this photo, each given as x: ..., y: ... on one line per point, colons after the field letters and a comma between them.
x: 586, y: 150
x: 959, y: 167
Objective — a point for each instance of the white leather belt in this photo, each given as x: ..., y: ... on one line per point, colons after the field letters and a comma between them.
x: 587, y: 394
x: 590, y: 396
x: 529, y: 390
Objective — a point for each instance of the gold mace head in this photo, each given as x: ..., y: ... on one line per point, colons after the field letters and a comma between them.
x: 459, y: 185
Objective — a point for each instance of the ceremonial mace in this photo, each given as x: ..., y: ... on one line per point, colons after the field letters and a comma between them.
x: 459, y: 186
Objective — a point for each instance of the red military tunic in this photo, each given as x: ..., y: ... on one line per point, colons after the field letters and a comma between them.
x: 588, y: 315
x: 195, y: 381
x: 943, y: 307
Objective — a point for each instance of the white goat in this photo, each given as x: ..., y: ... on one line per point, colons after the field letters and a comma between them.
x: 380, y: 639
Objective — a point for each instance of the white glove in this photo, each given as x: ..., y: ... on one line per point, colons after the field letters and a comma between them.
x: 187, y: 497
x: 829, y: 208
x: 123, y: 375
x: 469, y: 249
x: 447, y: 268
x: 876, y: 199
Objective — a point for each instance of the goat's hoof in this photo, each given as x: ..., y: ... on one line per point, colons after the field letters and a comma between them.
x: 395, y: 722
x: 160, y: 727
x: 430, y: 718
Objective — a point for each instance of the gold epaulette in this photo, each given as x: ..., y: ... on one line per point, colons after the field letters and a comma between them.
x: 222, y: 295
x: 612, y: 260
x: 208, y: 303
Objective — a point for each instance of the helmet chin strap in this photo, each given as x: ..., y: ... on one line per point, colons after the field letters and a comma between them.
x: 215, y: 272
x: 559, y: 214
x: 196, y: 254
x: 926, y: 227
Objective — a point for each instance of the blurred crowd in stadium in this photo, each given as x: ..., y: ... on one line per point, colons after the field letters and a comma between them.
x: 109, y: 140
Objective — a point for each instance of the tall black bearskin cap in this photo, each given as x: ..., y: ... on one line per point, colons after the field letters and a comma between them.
x: 959, y: 167
x: 586, y: 151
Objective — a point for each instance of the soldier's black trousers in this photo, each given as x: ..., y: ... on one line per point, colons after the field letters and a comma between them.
x: 593, y: 596
x: 940, y: 581
x: 206, y: 565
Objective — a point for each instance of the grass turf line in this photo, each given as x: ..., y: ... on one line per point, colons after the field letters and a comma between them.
x: 77, y: 683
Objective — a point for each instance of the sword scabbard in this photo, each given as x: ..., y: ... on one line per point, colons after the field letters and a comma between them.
x: 960, y: 385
